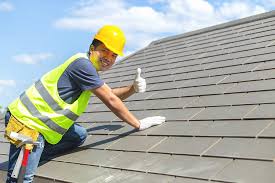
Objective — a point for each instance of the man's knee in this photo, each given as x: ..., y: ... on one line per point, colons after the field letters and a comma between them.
x: 82, y: 133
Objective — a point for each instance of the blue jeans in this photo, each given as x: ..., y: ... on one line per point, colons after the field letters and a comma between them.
x: 73, y: 138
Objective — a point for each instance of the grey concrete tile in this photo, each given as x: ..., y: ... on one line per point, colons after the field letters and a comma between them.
x: 100, y: 141
x: 95, y: 117
x: 248, y: 76
x: 234, y: 69
x: 136, y: 143
x: 153, y: 94
x: 119, y: 84
x: 113, y: 175
x: 202, y: 81
x: 70, y: 172
x: 103, y: 128
x: 253, y: 86
x: 149, y: 178
x: 267, y: 65
x: 185, y: 180
x: 4, y: 162
x: 179, y: 114
x: 225, y: 63
x: 217, y: 100
x: 137, y: 161
x: 166, y: 85
x: 206, y: 90
x: 3, y: 176
x: 126, y: 129
x: 165, y: 72
x: 181, y: 128
x: 159, y: 103
x: 262, y: 111
x: 170, y: 114
x: 192, y: 75
x: 263, y: 57
x: 4, y: 148
x: 218, y: 113
x: 157, y: 95
x: 262, y: 149
x: 189, y: 166
x: 233, y: 128
x: 89, y: 157
x: 259, y: 97
x: 248, y: 171
x: 38, y: 179
x: 184, y: 145
x: 269, y: 131
x: 159, y: 79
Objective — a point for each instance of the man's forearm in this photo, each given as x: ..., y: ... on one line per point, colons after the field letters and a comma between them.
x: 121, y: 111
x: 124, y: 92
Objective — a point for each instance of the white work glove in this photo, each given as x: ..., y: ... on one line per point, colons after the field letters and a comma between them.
x: 151, y: 121
x: 139, y: 82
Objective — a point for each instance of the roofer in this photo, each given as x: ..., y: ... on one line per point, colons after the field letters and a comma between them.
x: 47, y: 110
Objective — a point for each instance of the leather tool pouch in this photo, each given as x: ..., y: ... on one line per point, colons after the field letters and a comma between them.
x: 16, y: 126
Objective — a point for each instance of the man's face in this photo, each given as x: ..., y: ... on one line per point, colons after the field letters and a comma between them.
x: 105, y: 57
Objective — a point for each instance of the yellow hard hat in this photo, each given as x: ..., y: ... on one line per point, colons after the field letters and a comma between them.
x: 112, y: 37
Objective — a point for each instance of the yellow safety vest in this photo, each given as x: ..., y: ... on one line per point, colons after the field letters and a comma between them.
x: 41, y: 108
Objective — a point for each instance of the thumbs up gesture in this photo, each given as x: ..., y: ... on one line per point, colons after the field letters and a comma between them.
x: 139, y: 82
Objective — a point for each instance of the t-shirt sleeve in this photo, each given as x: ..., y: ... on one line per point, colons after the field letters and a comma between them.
x: 83, y: 73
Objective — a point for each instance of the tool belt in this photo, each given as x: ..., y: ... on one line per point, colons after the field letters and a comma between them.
x: 16, y: 126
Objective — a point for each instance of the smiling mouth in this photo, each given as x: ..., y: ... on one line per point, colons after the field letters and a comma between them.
x: 104, y: 62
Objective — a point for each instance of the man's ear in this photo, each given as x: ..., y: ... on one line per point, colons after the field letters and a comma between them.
x: 92, y: 48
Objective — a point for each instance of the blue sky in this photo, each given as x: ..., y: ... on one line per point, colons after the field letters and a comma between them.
x: 36, y: 36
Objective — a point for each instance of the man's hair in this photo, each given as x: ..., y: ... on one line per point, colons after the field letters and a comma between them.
x: 95, y: 44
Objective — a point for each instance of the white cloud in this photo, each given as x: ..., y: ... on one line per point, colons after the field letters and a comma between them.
x: 6, y: 6
x: 7, y: 83
x: 239, y: 9
x: 32, y: 58
x: 144, y: 24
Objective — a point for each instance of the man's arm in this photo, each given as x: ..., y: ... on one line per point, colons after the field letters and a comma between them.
x: 106, y: 95
x: 124, y: 92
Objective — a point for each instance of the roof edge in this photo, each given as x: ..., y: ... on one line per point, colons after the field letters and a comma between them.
x: 131, y: 55
x: 217, y: 27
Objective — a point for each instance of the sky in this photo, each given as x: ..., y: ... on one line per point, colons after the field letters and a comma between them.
x: 37, y: 36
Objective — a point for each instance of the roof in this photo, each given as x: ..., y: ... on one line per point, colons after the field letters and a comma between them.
x: 216, y: 88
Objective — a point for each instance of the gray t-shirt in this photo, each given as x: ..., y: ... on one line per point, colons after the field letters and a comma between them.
x: 79, y: 76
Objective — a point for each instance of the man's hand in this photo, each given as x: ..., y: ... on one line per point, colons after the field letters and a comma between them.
x: 139, y: 82
x: 151, y: 121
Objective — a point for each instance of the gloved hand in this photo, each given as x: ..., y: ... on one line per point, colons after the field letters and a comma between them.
x: 139, y: 82
x: 151, y: 121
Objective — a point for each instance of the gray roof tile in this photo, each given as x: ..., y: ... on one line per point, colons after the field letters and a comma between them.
x: 184, y: 145
x: 136, y: 143
x: 4, y: 162
x: 269, y: 131
x: 262, y: 111
x: 248, y: 171
x: 4, y: 150
x: 244, y: 148
x: 228, y: 112
x: 189, y: 166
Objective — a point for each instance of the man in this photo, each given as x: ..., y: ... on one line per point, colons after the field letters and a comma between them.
x: 47, y: 110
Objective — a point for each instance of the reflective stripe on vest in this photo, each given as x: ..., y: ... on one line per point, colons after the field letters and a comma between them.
x: 52, y: 103
x: 32, y: 109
